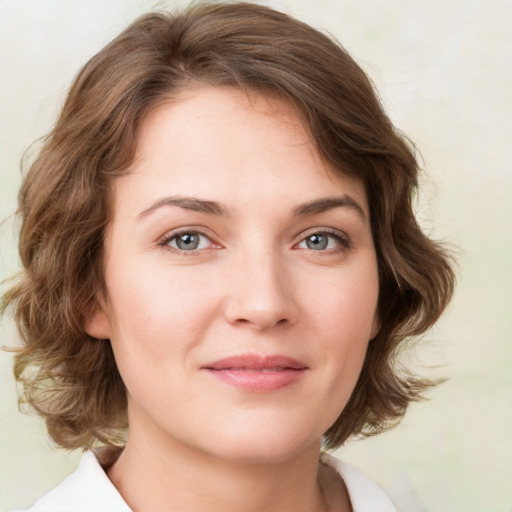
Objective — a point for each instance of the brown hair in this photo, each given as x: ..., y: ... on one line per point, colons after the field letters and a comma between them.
x: 71, y: 379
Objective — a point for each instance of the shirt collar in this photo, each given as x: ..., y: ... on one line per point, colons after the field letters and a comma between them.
x: 88, y: 489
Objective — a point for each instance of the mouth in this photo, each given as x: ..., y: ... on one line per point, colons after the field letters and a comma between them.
x: 255, y: 373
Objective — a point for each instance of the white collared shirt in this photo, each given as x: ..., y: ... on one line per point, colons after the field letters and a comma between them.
x: 89, y: 489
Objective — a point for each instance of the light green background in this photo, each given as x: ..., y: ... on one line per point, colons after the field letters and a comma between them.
x: 444, y: 71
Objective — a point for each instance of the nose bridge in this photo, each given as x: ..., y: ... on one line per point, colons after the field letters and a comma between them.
x: 260, y: 292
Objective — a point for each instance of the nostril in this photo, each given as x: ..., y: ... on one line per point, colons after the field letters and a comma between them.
x: 261, y: 325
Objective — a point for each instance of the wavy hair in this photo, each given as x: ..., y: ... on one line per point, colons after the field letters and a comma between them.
x: 71, y: 379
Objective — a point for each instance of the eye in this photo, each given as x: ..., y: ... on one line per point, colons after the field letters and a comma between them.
x: 187, y: 241
x: 324, y: 241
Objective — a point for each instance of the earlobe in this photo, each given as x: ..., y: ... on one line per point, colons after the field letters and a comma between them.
x: 97, y: 324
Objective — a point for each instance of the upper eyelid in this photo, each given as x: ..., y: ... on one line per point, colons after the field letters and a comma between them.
x: 324, y: 231
x: 200, y: 230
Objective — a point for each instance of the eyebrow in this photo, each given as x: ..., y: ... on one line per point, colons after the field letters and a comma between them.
x: 313, y: 207
x: 324, y: 204
x: 188, y: 203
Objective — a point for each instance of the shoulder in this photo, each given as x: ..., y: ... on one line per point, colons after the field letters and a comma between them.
x: 365, y: 495
x: 88, y: 489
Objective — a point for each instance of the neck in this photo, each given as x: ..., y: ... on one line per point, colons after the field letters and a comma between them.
x: 151, y: 475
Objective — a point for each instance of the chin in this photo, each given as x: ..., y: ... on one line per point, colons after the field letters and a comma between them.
x: 268, y: 444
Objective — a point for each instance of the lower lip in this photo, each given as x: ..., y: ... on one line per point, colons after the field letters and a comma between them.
x: 258, y: 381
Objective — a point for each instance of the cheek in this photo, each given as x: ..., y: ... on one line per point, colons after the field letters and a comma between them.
x: 159, y: 311
x: 343, y: 318
x: 347, y: 304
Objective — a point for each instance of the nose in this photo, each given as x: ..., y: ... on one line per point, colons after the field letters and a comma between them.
x: 261, y: 294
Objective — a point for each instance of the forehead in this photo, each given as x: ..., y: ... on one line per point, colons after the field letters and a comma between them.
x: 230, y: 146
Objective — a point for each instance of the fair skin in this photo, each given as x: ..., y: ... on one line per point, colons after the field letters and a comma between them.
x: 231, y: 238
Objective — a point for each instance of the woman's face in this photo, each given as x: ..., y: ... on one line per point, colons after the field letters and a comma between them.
x: 241, y: 277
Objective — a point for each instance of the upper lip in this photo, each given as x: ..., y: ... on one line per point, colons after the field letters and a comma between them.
x: 255, y: 362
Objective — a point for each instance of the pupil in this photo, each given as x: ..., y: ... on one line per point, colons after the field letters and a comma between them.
x: 188, y: 241
x: 317, y: 242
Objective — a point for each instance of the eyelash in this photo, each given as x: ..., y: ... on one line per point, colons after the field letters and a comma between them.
x: 341, y: 238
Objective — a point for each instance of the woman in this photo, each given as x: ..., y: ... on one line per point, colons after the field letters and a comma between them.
x: 220, y: 263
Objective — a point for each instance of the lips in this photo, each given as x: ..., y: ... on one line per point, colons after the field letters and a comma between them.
x: 257, y: 373
x: 256, y: 363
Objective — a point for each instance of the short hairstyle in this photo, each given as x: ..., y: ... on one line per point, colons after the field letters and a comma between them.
x: 71, y: 379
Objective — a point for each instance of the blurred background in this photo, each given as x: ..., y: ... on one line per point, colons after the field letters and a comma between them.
x: 444, y: 72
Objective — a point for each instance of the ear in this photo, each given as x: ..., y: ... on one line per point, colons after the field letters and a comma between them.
x: 98, y: 324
